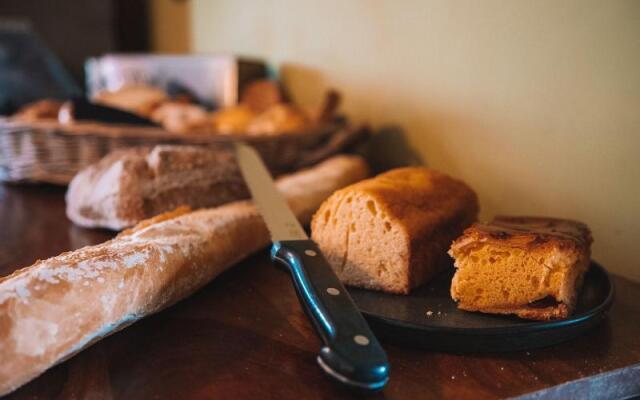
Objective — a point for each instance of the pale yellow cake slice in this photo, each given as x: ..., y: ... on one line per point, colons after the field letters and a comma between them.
x: 528, y: 266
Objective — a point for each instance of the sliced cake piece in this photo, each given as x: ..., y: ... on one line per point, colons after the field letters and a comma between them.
x: 528, y: 266
x: 392, y: 232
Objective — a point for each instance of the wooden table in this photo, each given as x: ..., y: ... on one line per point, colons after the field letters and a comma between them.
x: 245, y: 336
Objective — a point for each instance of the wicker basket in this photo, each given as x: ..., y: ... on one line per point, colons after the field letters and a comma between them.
x: 48, y: 151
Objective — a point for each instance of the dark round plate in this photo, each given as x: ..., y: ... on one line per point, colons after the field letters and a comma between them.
x: 405, y: 319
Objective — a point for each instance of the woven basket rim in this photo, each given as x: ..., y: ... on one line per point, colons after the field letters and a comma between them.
x: 82, y: 128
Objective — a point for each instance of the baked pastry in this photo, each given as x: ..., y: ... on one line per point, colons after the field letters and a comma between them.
x: 280, y: 118
x: 182, y: 117
x: 138, y: 99
x: 59, y: 306
x: 528, y: 266
x: 232, y: 120
x: 129, y: 185
x: 46, y: 109
x: 392, y: 232
x: 261, y: 94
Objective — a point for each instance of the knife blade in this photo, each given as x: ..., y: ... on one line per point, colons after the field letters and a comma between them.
x: 350, y: 354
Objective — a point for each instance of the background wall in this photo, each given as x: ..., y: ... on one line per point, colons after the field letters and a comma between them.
x: 170, y: 28
x: 535, y: 104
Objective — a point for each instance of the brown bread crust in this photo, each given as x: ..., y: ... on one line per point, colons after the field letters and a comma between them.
x: 423, y: 209
x: 130, y: 185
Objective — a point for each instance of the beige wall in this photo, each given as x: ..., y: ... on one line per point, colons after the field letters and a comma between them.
x: 535, y: 103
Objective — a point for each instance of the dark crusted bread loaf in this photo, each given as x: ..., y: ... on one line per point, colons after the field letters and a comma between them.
x: 392, y: 232
x: 528, y: 266
x: 130, y: 185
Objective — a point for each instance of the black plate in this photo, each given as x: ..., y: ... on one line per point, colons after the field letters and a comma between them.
x: 404, y: 319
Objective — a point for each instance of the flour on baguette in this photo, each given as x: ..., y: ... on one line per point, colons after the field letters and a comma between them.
x: 56, y: 307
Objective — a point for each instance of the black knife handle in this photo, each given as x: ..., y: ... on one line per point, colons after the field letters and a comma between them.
x: 351, y: 353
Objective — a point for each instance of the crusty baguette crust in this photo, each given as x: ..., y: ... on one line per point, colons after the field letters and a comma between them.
x: 420, y: 212
x: 56, y: 307
x: 528, y: 266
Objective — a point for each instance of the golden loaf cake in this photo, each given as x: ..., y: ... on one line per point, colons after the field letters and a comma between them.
x: 528, y: 266
x: 392, y: 232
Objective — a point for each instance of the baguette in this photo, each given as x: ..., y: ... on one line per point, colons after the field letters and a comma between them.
x: 392, y: 232
x: 57, y: 307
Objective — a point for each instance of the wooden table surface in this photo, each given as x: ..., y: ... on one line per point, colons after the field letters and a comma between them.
x: 245, y: 336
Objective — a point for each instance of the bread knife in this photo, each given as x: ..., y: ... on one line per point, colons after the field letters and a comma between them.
x: 350, y: 354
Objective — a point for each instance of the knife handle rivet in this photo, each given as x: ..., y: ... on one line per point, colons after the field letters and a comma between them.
x: 361, y: 340
x: 333, y: 291
x: 310, y: 253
